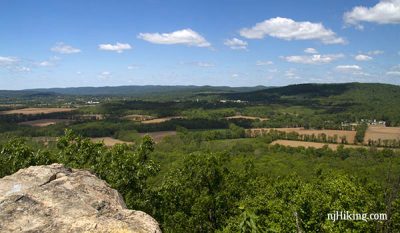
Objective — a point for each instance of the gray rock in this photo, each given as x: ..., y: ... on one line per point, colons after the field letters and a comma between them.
x: 54, y: 198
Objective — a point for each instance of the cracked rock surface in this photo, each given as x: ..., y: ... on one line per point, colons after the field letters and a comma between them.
x: 54, y: 198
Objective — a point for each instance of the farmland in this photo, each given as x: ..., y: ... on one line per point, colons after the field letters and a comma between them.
x: 336, y: 134
x: 293, y: 143
x: 137, y: 117
x: 44, y: 122
x: 247, y: 117
x: 35, y: 111
x: 376, y: 133
x: 160, y: 120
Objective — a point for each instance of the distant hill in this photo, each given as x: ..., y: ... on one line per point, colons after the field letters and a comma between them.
x: 134, y: 91
x: 309, y: 91
x: 368, y: 100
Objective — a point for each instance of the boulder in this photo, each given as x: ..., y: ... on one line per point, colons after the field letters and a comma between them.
x: 54, y: 198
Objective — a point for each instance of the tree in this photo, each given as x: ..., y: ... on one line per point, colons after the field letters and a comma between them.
x: 124, y: 167
x: 16, y: 154
x: 200, y: 195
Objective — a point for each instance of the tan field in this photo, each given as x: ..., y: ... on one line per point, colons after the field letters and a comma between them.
x: 137, y: 117
x: 381, y: 132
x: 158, y: 136
x: 34, y: 111
x: 331, y: 133
x: 109, y: 141
x: 247, y: 118
x: 43, y: 122
x: 312, y: 144
x: 160, y: 120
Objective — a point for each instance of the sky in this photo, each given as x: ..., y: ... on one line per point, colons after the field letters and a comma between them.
x: 74, y: 43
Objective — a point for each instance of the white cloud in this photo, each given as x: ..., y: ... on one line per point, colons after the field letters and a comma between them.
x: 236, y: 43
x: 204, y: 64
x: 7, y: 60
x: 351, y: 70
x: 118, y: 47
x: 50, y: 62
x: 288, y: 29
x: 14, y: 64
x: 45, y: 63
x: 235, y: 75
x: 362, y: 57
x: 105, y: 75
x: 64, y: 49
x: 313, y: 59
x: 23, y: 69
x: 348, y: 68
x: 291, y: 74
x: 375, y: 52
x: 264, y: 63
x: 384, y: 12
x: 186, y: 37
x: 310, y: 50
x: 198, y: 63
x: 395, y: 71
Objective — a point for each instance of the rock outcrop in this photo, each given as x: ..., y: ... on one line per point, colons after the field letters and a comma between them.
x: 54, y: 198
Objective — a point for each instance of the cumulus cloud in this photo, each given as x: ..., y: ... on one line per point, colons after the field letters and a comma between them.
x: 352, y: 70
x: 291, y: 74
x: 375, y: 52
x: 204, y: 64
x: 23, y: 69
x: 186, y: 37
x: 310, y: 50
x: 348, y: 68
x: 50, y: 62
x: 7, y: 61
x: 13, y: 64
x: 288, y: 29
x: 105, y: 75
x: 362, y: 57
x: 314, y: 59
x: 236, y: 43
x: 394, y: 71
x: 45, y: 63
x: 118, y: 47
x: 64, y: 49
x: 397, y: 73
x: 198, y: 63
x: 264, y: 63
x: 384, y: 12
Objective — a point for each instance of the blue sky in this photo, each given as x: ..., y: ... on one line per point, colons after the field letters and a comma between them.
x: 234, y: 43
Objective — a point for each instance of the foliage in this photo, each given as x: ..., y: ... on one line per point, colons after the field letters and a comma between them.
x: 360, y: 132
x: 16, y: 154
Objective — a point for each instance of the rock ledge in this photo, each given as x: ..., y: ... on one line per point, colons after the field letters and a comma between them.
x: 54, y: 198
